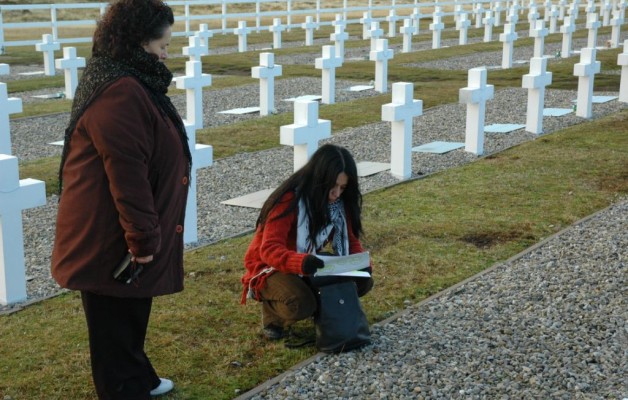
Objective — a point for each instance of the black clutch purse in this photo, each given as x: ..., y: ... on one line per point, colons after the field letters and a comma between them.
x: 127, y: 271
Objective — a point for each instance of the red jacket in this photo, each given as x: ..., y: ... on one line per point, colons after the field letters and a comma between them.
x: 125, y: 187
x: 274, y: 245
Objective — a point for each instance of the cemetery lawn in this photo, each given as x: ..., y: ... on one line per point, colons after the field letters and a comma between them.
x: 424, y: 235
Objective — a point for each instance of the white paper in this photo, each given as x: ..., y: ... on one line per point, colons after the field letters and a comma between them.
x: 337, y: 265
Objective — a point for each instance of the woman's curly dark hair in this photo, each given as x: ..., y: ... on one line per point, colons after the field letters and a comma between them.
x: 128, y: 24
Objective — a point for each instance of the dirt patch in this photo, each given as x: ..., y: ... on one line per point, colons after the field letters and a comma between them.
x: 484, y: 240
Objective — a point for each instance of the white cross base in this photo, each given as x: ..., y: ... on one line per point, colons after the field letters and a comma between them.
x: 193, y: 83
x: 70, y: 63
x: 8, y: 105
x: 306, y: 131
x: 4, y: 69
x: 400, y: 114
x: 15, y: 195
x: 475, y: 96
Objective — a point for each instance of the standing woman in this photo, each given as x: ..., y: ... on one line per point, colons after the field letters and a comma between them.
x: 317, y: 209
x: 124, y: 178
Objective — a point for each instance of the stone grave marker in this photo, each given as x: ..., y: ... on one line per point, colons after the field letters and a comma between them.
x: 585, y: 70
x: 553, y: 19
x: 475, y: 96
x: 392, y: 19
x: 562, y: 5
x: 276, y: 28
x: 407, y: 30
x: 535, y: 82
x: 48, y: 47
x: 547, y: 8
x: 266, y: 73
x: 592, y: 25
x: 381, y: 55
x: 193, y: 82
x: 375, y: 33
x: 533, y: 16
x: 508, y: 38
x: 8, y: 105
x: 242, y: 32
x: 4, y: 69
x: 568, y: 28
x: 400, y: 114
x: 15, y: 195
x: 463, y: 25
x: 538, y: 33
x: 488, y: 22
x: 622, y: 61
x: 339, y: 37
x: 328, y: 64
x: 416, y: 19
x: 497, y: 13
x: 204, y: 34
x: 606, y: 9
x: 195, y: 49
x: 366, y: 22
x: 616, y: 23
x: 309, y: 25
x: 479, y: 11
x: 437, y: 26
x: 70, y: 64
x: 306, y: 131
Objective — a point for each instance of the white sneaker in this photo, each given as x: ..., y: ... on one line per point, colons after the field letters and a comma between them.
x: 165, y: 386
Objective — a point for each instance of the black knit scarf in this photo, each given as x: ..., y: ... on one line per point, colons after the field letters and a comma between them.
x: 102, y: 71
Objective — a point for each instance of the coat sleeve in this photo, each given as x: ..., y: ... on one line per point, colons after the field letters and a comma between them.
x: 122, y: 133
x: 274, y: 248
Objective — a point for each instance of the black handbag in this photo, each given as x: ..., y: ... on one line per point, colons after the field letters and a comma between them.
x: 341, y: 324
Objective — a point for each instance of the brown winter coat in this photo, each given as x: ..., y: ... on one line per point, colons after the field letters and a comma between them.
x: 125, y: 187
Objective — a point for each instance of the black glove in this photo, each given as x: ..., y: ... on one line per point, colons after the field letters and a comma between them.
x: 311, y: 264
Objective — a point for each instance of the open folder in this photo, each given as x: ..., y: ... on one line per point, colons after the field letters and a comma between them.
x: 345, y: 265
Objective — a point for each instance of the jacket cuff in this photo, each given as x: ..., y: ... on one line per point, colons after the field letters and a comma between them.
x: 144, y: 244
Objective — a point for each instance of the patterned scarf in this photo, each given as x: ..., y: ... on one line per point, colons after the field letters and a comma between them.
x: 337, y: 216
x: 338, y: 225
x: 102, y: 71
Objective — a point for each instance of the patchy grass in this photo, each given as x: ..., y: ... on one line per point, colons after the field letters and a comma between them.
x: 424, y: 235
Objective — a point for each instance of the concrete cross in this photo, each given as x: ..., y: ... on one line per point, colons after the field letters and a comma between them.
x: 607, y: 7
x: 593, y: 23
x: 204, y: 34
x: 616, y: 23
x: 339, y: 37
x: 375, y: 33
x: 479, y: 11
x: 538, y: 33
x: 381, y: 55
x: 437, y: 27
x: 416, y: 18
x: 407, y: 30
x: 195, y: 49
x: 463, y: 25
x: 309, y: 25
x: 242, y: 31
x: 48, y: 47
x: 488, y: 22
x: 70, y: 64
x: 497, y: 13
x: 276, y: 28
x: 339, y: 20
x: 328, y: 63
x: 553, y: 19
x: 508, y: 38
x: 193, y: 82
x: 590, y: 8
x: 8, y: 105
x: 4, y: 69
x: 457, y: 11
x: 366, y: 21
x: 475, y: 96
x: 15, y: 195
x: 306, y: 131
x: 535, y: 82
x: 400, y: 114
x: 562, y: 4
x: 533, y: 15
x: 512, y: 17
x: 392, y: 19
x: 266, y: 73
x: 622, y: 61
x: 585, y: 70
x: 202, y: 157
x: 547, y: 8
x: 568, y: 28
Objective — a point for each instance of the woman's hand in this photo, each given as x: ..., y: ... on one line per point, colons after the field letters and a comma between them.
x: 142, y: 260
x: 311, y: 264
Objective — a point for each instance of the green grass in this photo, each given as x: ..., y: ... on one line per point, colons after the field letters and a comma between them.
x: 424, y: 235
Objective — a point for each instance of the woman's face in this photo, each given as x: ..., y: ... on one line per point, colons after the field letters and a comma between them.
x: 159, y: 47
x: 341, y: 184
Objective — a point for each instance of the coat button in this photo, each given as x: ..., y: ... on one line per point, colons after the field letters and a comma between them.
x: 184, y: 180
x: 179, y: 228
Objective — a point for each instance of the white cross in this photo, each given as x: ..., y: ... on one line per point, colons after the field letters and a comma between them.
x: 416, y: 18
x: 538, y: 33
x: 463, y: 25
x: 407, y: 30
x: 366, y: 21
x: 338, y: 37
x: 392, y: 19
x: 242, y: 31
x: 568, y: 28
x: 436, y: 27
x: 309, y: 25
x: 479, y: 10
x: 195, y: 50
x: 48, y: 47
x: 488, y: 26
x: 475, y: 96
x: 622, y: 61
x: 4, y: 69
x: 497, y: 13
x: 606, y: 13
x: 616, y: 23
x: 381, y: 55
x: 204, y: 34
x: 328, y: 63
x: 590, y: 8
x: 266, y: 73
x: 562, y: 4
x: 535, y: 82
x: 193, y: 82
x: 533, y: 15
x: 585, y: 70
x: 306, y: 131
x: 508, y: 38
x: 375, y: 33
x: 457, y: 11
x: 592, y: 25
x: 339, y: 21
x: 202, y: 157
x: 276, y: 29
x: 553, y: 19
x: 8, y: 105
x: 15, y: 195
x: 547, y: 10
x: 70, y: 63
x: 400, y: 114
x: 512, y: 17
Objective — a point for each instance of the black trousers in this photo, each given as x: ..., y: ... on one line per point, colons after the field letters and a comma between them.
x: 117, y: 330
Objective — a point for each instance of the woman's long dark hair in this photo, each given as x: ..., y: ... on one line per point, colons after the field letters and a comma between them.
x: 313, y: 182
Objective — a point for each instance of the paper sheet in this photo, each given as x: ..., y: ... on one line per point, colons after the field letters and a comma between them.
x: 345, y: 265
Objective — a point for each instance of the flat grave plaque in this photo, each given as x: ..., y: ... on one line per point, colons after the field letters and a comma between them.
x: 367, y: 168
x: 556, y: 112
x: 251, y: 200
x: 438, y: 147
x: 502, y: 128
x: 240, y: 111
